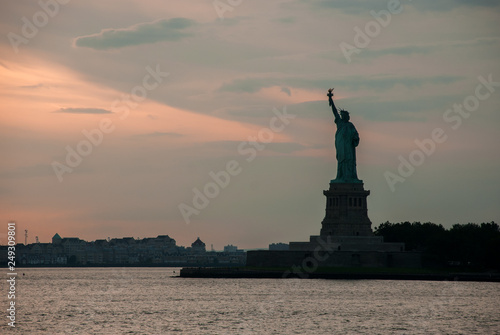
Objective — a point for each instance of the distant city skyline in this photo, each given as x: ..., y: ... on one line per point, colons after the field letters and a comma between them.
x: 161, y: 250
x: 127, y: 118
x: 109, y: 238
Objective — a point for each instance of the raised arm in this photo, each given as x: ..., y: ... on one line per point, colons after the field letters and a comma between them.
x: 330, y: 100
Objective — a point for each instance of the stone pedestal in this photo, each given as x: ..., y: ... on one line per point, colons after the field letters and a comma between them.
x: 346, y: 211
x: 346, y: 238
x: 346, y: 226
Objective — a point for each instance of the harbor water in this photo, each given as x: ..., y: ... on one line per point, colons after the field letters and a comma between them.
x: 155, y: 301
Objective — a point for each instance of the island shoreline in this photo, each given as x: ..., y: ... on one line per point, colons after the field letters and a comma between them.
x: 364, y: 274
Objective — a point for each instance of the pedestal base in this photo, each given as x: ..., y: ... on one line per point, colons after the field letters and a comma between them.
x: 347, y: 243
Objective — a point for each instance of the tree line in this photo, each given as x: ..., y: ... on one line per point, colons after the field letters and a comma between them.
x: 467, y: 246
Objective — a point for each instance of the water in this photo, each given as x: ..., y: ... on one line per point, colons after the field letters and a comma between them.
x: 150, y: 301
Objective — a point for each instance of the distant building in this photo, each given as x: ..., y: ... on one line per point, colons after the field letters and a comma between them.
x: 279, y: 246
x: 166, y: 242
x: 198, y: 246
x: 230, y: 248
x: 56, y: 239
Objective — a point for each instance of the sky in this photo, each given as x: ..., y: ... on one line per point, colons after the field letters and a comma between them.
x: 210, y: 118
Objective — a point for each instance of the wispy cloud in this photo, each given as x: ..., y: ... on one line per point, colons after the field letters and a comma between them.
x: 427, y: 48
x: 356, y: 7
x: 142, y: 33
x: 288, y: 20
x: 287, y: 91
x: 159, y: 134
x: 40, y: 85
x: 285, y: 147
x: 376, y: 83
x: 83, y: 111
x: 36, y: 170
x: 446, y: 5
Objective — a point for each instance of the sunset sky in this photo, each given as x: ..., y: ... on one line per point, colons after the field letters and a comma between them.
x: 170, y: 93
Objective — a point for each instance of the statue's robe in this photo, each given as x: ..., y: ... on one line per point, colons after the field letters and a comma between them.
x: 346, y: 140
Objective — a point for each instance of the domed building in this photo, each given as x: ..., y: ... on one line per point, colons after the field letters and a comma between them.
x: 198, y: 246
x: 56, y: 239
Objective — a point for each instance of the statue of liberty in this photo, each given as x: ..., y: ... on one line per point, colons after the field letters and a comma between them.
x: 346, y: 141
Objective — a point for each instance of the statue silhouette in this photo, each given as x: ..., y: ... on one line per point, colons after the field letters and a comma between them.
x: 346, y: 141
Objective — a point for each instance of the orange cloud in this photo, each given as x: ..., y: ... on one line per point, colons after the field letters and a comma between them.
x: 30, y: 95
